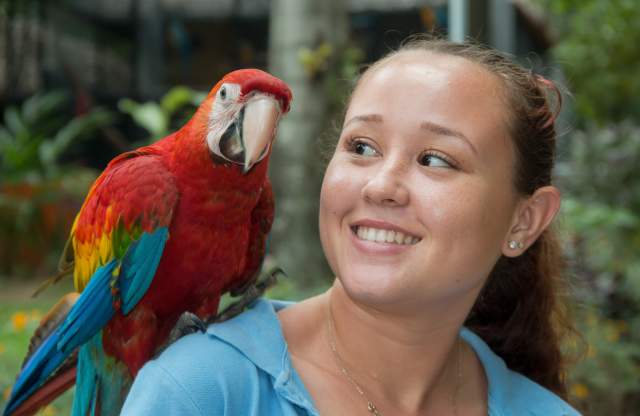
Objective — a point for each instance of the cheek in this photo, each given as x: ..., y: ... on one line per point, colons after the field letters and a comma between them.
x: 339, y: 189
x: 338, y: 196
x: 473, y: 217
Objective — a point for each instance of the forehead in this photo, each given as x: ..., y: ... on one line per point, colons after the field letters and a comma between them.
x: 434, y: 87
x: 432, y: 73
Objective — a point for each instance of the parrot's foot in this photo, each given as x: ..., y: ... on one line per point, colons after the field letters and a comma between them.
x: 188, y: 323
x: 250, y: 294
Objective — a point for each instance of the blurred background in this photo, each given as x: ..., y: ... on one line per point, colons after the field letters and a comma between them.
x: 84, y: 80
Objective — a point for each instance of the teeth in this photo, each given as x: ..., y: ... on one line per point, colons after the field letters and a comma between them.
x: 385, y: 236
x: 391, y: 236
x: 370, y: 234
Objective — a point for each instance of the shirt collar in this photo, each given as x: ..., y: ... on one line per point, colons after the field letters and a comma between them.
x: 257, y: 334
x: 495, y: 368
x: 511, y: 392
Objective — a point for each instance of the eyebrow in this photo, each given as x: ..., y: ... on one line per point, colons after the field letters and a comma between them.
x: 425, y: 125
x: 376, y: 118
x: 445, y: 131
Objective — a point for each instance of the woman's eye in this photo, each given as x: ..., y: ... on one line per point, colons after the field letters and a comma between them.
x: 436, y: 161
x: 362, y: 148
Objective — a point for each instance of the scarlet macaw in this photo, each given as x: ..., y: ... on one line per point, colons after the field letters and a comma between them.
x: 165, y: 229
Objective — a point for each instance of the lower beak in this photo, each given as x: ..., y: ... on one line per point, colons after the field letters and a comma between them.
x: 261, y: 115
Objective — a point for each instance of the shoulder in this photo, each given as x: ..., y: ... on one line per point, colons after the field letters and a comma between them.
x: 511, y: 393
x: 250, y: 341
x: 216, y: 372
x: 198, y: 374
x: 530, y: 398
x: 201, y: 354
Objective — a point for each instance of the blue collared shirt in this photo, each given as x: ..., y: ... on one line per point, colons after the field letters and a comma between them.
x: 242, y: 367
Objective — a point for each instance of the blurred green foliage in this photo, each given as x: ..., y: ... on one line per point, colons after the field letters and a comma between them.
x: 39, y: 192
x: 601, y: 221
x: 35, y: 135
x: 173, y: 110
x: 600, y: 177
x: 598, y: 49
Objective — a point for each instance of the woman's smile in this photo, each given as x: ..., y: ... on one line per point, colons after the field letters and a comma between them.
x: 380, y: 235
x: 381, y: 238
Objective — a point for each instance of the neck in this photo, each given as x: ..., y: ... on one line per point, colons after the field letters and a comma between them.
x: 407, y: 363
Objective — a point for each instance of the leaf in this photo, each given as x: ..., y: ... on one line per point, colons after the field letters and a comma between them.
x: 148, y: 115
x: 42, y: 105
x: 6, y: 139
x: 13, y: 121
x: 197, y: 97
x: 74, y: 130
x: 176, y: 98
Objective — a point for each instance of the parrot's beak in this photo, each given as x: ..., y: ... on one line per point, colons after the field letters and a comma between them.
x: 261, y: 115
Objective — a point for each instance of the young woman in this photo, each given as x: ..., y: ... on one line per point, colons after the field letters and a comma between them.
x: 434, y: 217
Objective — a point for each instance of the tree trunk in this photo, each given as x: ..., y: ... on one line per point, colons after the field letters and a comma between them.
x: 305, y: 38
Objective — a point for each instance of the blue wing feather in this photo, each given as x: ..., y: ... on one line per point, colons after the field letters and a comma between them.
x: 91, y: 312
x: 140, y: 266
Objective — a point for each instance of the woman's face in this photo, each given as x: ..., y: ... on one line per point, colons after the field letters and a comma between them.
x: 418, y: 199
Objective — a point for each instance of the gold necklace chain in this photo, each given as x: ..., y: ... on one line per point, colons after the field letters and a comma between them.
x: 371, y: 407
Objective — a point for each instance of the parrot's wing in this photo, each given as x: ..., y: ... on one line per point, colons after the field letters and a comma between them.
x: 118, y: 239
x: 135, y: 195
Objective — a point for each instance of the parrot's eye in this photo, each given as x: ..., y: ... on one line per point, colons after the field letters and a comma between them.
x: 228, y: 93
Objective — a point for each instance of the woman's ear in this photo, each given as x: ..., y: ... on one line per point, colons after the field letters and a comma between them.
x: 533, y: 215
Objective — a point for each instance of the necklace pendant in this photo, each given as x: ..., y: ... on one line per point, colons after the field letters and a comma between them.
x: 372, y: 408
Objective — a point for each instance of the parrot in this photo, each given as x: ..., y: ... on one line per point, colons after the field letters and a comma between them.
x: 165, y: 229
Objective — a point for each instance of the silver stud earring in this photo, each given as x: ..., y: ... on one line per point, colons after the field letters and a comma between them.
x: 515, y: 244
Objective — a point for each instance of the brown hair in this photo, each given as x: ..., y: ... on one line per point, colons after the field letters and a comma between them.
x: 521, y: 312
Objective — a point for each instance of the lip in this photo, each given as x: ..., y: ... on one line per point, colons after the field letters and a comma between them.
x: 375, y: 248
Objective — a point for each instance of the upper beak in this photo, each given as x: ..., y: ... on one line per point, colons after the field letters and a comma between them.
x: 261, y: 115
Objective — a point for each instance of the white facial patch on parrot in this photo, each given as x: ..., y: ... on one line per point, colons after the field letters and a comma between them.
x: 223, y: 113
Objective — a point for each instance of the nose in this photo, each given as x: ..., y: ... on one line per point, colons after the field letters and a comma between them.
x: 386, y: 185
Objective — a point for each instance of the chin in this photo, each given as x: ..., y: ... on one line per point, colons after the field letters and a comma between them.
x: 373, y: 287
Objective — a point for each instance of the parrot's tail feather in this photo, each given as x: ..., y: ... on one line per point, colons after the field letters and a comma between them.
x: 50, y: 352
x: 36, y: 370
x: 61, y: 379
x: 56, y: 315
x: 47, y: 393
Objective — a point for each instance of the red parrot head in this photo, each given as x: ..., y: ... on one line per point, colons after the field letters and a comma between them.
x: 240, y: 115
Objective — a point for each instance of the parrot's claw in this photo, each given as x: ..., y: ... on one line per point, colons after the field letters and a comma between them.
x: 188, y: 323
x: 251, y: 293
